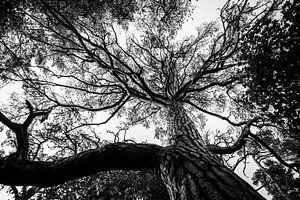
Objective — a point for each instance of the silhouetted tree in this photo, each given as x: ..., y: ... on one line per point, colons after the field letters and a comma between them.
x: 72, y: 67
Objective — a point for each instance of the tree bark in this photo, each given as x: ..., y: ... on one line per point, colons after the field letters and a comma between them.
x: 191, y: 175
x: 191, y: 172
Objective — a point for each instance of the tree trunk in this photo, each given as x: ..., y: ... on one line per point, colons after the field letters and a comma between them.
x: 191, y: 172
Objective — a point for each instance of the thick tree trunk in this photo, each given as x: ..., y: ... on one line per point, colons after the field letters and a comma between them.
x: 191, y: 175
x: 191, y: 172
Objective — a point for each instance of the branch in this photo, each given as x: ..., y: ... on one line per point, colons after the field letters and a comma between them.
x: 218, y: 116
x: 103, y: 122
x: 7, y: 122
x: 265, y: 172
x: 33, y: 115
x: 117, y: 156
x: 21, y: 129
x: 213, y: 84
x: 294, y: 166
x: 240, y: 142
x: 31, y: 192
x: 15, y: 192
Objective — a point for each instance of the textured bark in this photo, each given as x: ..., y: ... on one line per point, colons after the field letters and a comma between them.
x: 191, y: 172
x: 191, y: 175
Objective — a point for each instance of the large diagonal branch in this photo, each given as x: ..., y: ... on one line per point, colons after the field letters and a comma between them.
x: 117, y: 156
x: 295, y: 166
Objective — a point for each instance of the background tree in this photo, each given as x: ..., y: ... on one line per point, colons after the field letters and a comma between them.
x: 72, y: 67
x: 272, y: 81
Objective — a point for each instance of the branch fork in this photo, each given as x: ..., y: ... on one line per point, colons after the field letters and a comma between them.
x: 21, y: 130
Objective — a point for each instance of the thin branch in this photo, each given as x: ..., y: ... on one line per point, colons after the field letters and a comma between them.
x: 104, y: 122
x: 216, y: 115
x: 240, y: 142
x: 264, y: 171
x: 219, y: 83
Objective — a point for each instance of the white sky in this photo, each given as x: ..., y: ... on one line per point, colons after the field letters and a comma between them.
x: 205, y: 11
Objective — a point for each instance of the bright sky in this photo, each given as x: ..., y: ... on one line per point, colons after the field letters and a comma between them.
x: 205, y: 11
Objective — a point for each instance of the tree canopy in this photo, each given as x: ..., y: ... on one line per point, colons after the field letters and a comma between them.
x: 82, y: 64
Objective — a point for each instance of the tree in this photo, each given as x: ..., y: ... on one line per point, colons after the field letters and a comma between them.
x: 73, y: 66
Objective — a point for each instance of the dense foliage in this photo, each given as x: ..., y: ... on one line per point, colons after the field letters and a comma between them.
x: 273, y: 75
x: 114, y: 185
x: 14, y: 13
x: 273, y: 89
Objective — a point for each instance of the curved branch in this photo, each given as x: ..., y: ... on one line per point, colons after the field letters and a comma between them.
x: 117, y: 156
x: 264, y: 171
x: 240, y: 142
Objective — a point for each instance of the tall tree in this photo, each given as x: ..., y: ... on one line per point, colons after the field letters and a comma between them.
x: 72, y: 67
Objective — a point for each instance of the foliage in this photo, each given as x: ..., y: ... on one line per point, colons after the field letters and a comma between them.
x: 273, y: 73
x: 275, y: 176
x: 272, y: 80
x: 11, y: 15
x: 114, y: 185
x: 76, y: 68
